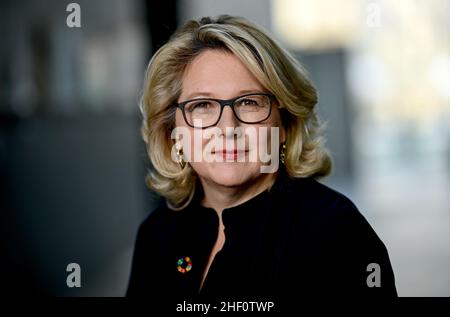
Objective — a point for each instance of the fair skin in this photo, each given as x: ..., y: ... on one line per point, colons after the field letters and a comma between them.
x: 221, y: 75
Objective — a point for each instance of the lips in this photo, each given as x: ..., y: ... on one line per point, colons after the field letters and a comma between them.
x: 230, y: 155
x: 233, y: 152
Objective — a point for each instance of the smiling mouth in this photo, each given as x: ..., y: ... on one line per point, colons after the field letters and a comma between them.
x: 231, y: 155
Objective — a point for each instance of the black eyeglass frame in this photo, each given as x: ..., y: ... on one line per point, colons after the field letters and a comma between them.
x: 223, y: 104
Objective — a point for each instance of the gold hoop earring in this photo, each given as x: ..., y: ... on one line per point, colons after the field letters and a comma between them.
x: 180, y: 158
x: 283, y: 153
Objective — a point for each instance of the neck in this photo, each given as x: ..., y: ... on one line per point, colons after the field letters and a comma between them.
x: 220, y: 197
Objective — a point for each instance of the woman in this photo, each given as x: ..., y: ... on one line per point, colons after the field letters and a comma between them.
x: 236, y: 223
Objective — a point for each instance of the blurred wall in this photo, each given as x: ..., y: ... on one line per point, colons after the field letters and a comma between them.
x: 72, y: 163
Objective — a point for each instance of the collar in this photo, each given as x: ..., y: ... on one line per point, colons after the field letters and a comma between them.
x: 246, y: 213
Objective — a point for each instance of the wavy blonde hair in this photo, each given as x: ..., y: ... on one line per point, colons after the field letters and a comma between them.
x: 275, y: 69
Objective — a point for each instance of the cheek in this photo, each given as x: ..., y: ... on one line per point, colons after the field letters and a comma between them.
x: 184, y: 136
x: 275, y: 119
x: 278, y: 122
x: 179, y: 120
x: 270, y: 135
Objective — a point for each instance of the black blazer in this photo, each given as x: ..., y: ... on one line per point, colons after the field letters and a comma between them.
x: 301, y: 238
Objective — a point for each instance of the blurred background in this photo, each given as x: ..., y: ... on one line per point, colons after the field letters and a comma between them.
x: 72, y: 163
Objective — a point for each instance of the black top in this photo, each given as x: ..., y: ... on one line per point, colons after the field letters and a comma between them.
x: 301, y: 238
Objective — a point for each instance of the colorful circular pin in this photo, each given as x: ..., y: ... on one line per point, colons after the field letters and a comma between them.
x: 184, y: 264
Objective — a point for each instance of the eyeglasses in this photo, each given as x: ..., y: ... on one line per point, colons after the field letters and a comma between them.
x: 203, y: 113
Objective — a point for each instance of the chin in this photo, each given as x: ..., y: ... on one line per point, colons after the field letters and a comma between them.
x: 232, y: 174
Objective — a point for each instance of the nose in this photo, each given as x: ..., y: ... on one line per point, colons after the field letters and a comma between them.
x: 227, y: 119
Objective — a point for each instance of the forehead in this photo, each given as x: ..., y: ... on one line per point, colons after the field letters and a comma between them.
x: 219, y: 74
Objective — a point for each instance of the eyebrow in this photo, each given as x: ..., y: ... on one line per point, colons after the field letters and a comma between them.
x: 210, y: 95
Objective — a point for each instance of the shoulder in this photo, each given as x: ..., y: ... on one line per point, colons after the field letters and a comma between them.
x: 326, y: 230
x: 310, y: 194
x: 322, y: 210
x: 154, y: 235
x: 160, y: 223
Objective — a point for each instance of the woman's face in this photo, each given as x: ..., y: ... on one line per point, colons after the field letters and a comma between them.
x: 231, y: 162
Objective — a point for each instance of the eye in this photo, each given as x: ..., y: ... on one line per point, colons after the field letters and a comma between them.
x: 199, y: 106
x: 202, y: 105
x: 248, y: 102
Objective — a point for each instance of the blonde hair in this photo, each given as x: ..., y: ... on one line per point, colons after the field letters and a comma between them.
x: 275, y: 69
